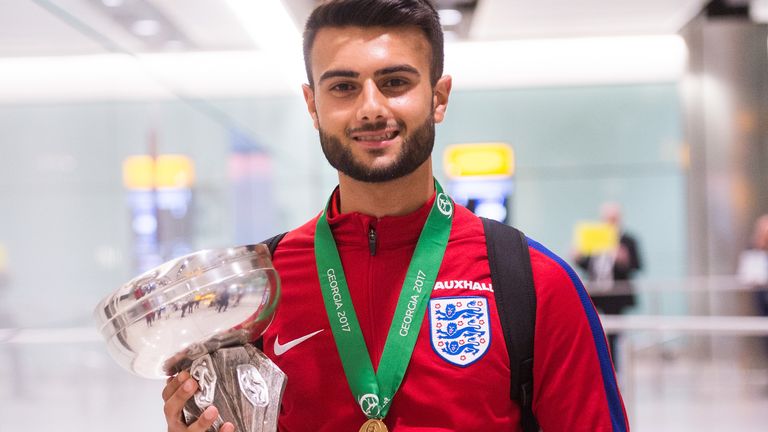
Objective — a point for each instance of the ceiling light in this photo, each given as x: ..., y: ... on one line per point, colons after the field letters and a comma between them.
x: 225, y: 74
x: 112, y: 3
x: 272, y: 29
x: 267, y: 23
x: 449, y: 17
x: 758, y: 11
x: 571, y: 61
x: 145, y: 27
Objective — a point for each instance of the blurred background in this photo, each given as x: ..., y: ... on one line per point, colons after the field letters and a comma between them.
x: 134, y: 131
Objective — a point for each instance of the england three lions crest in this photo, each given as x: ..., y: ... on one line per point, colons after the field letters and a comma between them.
x: 459, y: 328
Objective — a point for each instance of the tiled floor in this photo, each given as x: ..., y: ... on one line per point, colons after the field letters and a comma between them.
x: 690, y: 395
x: 76, y: 387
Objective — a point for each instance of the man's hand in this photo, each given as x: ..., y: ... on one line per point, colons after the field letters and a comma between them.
x: 177, y: 391
x: 622, y: 256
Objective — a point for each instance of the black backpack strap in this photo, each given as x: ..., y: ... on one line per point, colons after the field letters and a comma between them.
x: 273, y: 241
x: 272, y: 245
x: 512, y: 279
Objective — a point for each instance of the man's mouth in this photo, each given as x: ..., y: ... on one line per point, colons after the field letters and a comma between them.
x: 383, y: 135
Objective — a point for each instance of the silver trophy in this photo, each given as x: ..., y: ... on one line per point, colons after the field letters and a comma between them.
x: 199, y: 312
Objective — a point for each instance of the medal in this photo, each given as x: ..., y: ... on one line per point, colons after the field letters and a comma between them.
x: 374, y: 425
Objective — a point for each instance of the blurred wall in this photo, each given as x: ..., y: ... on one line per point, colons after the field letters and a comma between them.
x: 577, y: 147
x: 64, y: 218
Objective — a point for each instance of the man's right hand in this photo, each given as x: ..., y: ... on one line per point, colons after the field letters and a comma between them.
x: 176, y: 393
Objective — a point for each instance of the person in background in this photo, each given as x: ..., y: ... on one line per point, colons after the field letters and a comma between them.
x: 390, y: 255
x: 760, y: 242
x: 610, y: 273
x: 753, y: 267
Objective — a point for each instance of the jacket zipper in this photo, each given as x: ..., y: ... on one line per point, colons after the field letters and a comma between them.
x: 372, y: 240
x: 375, y: 354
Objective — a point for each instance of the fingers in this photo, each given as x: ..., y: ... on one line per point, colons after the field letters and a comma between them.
x: 175, y: 402
x: 206, y: 420
x: 173, y: 384
x: 176, y: 393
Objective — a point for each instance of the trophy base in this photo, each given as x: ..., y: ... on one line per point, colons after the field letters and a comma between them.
x: 243, y: 384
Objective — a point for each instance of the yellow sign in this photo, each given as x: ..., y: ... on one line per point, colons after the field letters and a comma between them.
x: 165, y: 171
x: 479, y: 160
x: 593, y: 238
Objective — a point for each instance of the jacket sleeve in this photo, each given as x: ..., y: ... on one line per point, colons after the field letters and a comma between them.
x: 575, y: 385
x: 635, y: 262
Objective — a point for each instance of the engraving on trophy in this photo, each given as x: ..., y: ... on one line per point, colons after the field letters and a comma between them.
x: 202, y: 371
x: 253, y: 385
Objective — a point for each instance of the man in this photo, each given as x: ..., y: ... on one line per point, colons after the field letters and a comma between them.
x: 610, y: 274
x: 354, y: 351
x: 753, y: 267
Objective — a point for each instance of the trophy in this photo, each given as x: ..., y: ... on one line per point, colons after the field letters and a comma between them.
x: 199, y: 312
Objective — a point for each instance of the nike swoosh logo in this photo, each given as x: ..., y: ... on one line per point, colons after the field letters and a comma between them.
x: 282, y: 349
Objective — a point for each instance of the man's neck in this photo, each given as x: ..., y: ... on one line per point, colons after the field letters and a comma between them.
x: 392, y: 198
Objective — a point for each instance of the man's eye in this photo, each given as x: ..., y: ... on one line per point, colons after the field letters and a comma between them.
x: 342, y: 87
x: 395, y: 82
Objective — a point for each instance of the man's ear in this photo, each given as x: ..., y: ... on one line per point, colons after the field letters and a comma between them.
x: 309, y: 98
x: 440, y: 97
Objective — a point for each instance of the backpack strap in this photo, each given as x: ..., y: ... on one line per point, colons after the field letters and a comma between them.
x: 273, y: 241
x: 512, y: 280
x: 272, y: 245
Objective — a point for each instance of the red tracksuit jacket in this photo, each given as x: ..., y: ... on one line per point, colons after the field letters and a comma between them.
x: 459, y: 386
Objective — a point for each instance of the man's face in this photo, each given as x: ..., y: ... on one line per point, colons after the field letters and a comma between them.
x: 611, y: 213
x: 372, y: 101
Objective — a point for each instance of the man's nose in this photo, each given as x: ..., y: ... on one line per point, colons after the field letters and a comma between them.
x: 373, y: 104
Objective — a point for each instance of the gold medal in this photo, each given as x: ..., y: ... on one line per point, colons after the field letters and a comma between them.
x: 374, y: 425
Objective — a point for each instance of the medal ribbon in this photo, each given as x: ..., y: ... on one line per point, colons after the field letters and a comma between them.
x: 374, y: 390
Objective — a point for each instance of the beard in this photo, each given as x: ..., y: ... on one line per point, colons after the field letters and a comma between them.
x: 416, y: 149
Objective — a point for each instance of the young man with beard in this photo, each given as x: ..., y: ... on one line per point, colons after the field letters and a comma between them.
x: 387, y: 317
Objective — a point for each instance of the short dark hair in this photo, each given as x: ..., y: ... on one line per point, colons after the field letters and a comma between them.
x: 377, y: 13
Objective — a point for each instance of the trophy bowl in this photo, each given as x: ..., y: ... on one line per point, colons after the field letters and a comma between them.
x: 160, y: 322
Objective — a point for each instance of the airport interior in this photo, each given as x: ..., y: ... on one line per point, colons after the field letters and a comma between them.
x: 134, y: 132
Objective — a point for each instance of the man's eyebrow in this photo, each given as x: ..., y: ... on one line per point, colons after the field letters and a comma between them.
x: 338, y: 73
x: 344, y: 73
x: 396, y: 69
